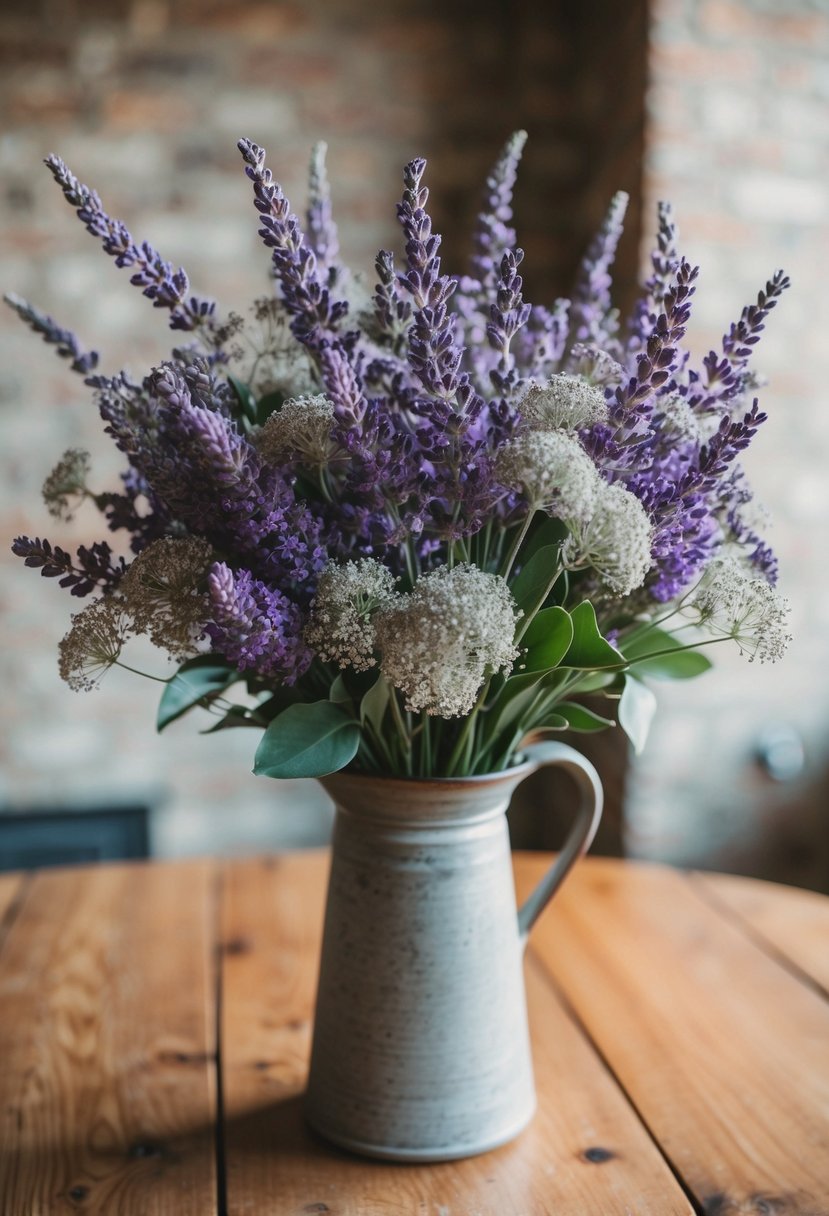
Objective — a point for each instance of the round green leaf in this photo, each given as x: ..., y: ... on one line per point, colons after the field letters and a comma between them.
x: 307, y: 740
x: 547, y: 639
x: 637, y: 706
x: 676, y: 663
x: 197, y: 679
x: 589, y: 649
x: 529, y: 588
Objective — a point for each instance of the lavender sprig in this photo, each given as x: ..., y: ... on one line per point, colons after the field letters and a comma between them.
x: 726, y: 372
x: 254, y: 627
x: 507, y: 316
x: 315, y: 315
x: 664, y: 263
x: 321, y: 229
x: 631, y: 403
x: 592, y: 318
x: 494, y: 236
x: 434, y: 355
x: 392, y: 313
x: 159, y: 280
x: 93, y: 568
x: 65, y: 342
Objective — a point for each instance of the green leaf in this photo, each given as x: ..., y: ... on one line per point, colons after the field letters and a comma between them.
x: 246, y: 399
x: 375, y: 703
x: 579, y: 718
x: 307, y: 740
x: 267, y: 405
x: 636, y: 709
x: 195, y: 681
x: 679, y: 665
x: 549, y: 532
x: 237, y: 715
x: 589, y: 649
x: 339, y: 694
x: 548, y: 639
x: 529, y: 588
x: 549, y: 728
x: 597, y: 681
x: 516, y: 696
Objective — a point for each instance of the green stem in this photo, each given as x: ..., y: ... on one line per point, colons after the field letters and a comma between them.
x: 527, y: 620
x: 145, y: 674
x: 517, y: 543
x: 460, y: 747
x: 405, y: 741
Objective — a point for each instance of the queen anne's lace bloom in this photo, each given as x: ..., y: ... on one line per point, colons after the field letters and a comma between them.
x: 439, y: 643
x: 616, y: 541
x: 341, y: 628
x: 65, y: 487
x: 300, y: 430
x: 733, y: 604
x: 165, y: 593
x: 566, y: 403
x: 93, y: 644
x: 554, y: 472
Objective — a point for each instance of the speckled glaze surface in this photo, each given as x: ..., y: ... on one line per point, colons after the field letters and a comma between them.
x: 421, y: 1050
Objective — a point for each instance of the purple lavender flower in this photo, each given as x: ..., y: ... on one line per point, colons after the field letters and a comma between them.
x: 664, y: 263
x: 255, y: 627
x: 493, y: 236
x: 507, y: 315
x: 726, y: 374
x: 322, y: 231
x: 592, y: 318
x: 65, y: 342
x: 93, y: 568
x: 159, y: 280
x: 315, y: 314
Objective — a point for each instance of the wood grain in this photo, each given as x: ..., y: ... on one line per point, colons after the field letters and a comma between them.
x: 586, y: 1152
x: 107, y: 1085
x: 793, y: 922
x: 724, y: 1052
x: 11, y: 886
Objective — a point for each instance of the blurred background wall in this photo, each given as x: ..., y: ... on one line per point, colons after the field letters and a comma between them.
x: 718, y: 105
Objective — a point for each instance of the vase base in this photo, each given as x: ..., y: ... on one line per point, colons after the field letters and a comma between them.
x: 424, y: 1155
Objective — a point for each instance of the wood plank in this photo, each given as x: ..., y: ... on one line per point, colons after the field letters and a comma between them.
x: 585, y: 1153
x: 11, y: 886
x: 724, y: 1053
x: 107, y: 1084
x: 794, y: 922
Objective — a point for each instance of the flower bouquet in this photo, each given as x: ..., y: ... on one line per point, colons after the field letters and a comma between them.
x: 401, y: 531
x: 403, y: 535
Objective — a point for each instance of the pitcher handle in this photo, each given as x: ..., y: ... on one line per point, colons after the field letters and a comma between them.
x: 581, y: 834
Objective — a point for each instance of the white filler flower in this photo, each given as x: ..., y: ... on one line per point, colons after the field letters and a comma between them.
x: 616, y: 541
x: 300, y: 430
x: 554, y: 472
x: 439, y: 644
x: 734, y: 604
x: 563, y: 402
x: 341, y: 628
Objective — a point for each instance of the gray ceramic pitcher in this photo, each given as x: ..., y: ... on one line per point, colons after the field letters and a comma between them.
x: 421, y: 1050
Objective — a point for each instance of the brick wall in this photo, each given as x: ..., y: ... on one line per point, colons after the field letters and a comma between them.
x: 737, y: 138
x: 145, y: 100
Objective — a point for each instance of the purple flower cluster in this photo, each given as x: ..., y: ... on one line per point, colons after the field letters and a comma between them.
x: 255, y: 627
x: 423, y: 386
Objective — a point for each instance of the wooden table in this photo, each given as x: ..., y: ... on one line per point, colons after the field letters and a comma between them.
x: 155, y: 1026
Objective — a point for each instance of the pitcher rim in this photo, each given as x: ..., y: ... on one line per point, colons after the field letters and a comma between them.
x: 522, y: 769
